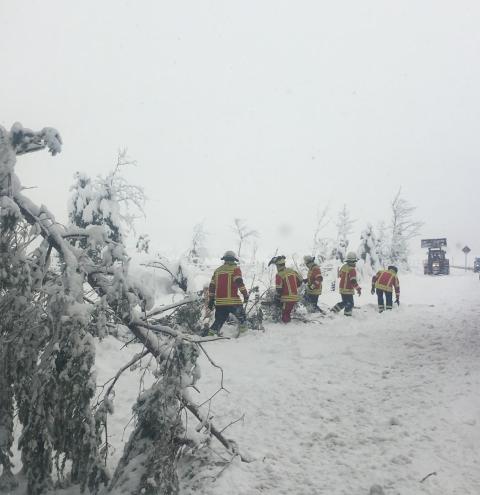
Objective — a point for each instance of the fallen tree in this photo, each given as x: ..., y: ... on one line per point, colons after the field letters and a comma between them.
x: 47, y: 332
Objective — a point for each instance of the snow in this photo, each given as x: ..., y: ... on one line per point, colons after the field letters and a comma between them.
x: 368, y: 404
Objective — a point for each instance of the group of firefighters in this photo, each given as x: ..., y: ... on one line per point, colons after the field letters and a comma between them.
x: 227, y: 283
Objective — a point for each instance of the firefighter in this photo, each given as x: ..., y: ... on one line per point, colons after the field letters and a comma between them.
x: 287, y: 282
x: 223, y: 293
x: 348, y: 285
x: 383, y: 283
x: 314, y: 284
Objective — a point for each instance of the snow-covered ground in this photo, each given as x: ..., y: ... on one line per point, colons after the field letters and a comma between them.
x: 341, y: 405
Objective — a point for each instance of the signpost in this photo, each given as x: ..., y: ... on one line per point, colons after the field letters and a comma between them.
x: 466, y: 250
x: 434, y: 243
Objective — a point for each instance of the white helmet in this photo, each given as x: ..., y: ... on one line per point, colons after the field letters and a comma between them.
x: 229, y: 255
x: 351, y: 256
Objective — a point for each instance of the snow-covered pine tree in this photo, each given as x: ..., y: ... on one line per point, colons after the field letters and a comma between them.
x: 367, y: 253
x: 15, y: 299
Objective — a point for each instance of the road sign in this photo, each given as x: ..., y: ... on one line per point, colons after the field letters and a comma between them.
x: 466, y: 249
x: 433, y: 243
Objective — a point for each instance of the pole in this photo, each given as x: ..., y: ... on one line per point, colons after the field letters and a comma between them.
x: 466, y: 261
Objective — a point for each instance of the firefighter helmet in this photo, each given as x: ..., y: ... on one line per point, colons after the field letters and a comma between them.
x: 308, y: 259
x: 351, y: 257
x: 393, y: 267
x: 277, y: 260
x: 229, y: 256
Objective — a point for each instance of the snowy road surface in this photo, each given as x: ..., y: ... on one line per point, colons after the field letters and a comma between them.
x: 340, y: 406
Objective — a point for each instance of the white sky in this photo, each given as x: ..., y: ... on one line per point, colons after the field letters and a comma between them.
x: 264, y: 110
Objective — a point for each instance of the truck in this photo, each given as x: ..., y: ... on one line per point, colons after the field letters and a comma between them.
x: 436, y: 263
x: 476, y: 265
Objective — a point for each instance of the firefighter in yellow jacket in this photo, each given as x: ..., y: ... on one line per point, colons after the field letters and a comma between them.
x: 287, y: 282
x: 348, y: 285
x: 384, y: 282
x: 223, y: 291
x: 314, y: 284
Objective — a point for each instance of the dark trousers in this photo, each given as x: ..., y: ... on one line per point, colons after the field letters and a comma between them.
x: 222, y: 313
x: 346, y: 303
x: 388, y: 299
x: 311, y: 302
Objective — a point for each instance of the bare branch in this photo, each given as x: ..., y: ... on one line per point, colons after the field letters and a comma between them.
x: 162, y: 309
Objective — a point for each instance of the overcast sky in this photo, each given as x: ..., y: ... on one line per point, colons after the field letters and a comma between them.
x: 263, y: 110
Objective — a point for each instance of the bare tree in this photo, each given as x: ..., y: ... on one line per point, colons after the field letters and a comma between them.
x: 403, y: 228
x: 198, y: 239
x: 345, y: 228
x: 322, y: 221
x: 243, y: 232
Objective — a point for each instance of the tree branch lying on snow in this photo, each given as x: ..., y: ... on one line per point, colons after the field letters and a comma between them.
x: 433, y: 473
x: 162, y: 309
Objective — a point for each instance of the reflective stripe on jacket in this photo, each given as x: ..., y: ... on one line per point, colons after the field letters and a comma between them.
x: 348, y: 279
x: 225, y: 284
x: 287, y: 282
x: 314, y: 280
x: 386, y: 280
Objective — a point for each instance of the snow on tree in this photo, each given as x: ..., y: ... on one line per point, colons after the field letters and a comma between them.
x: 403, y: 228
x: 47, y: 333
x: 197, y: 252
x: 177, y: 270
x: 344, y: 230
x: 321, y: 246
x: 382, y: 243
x: 367, y: 253
x: 110, y: 201
x: 243, y: 234
x: 143, y: 243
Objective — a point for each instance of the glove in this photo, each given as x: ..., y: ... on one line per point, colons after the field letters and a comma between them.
x: 359, y: 291
x: 245, y: 298
x: 372, y: 291
x: 305, y: 280
x: 211, y: 303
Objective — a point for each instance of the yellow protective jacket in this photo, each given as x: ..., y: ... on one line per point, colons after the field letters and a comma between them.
x: 287, y: 282
x: 386, y: 280
x: 348, y: 279
x: 225, y: 284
